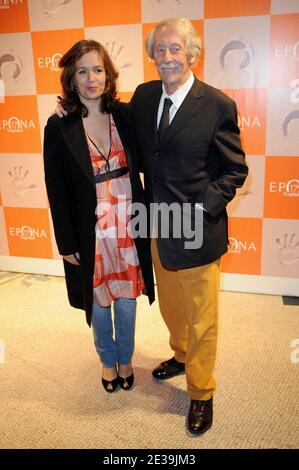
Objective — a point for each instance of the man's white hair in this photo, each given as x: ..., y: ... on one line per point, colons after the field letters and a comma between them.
x: 183, y: 27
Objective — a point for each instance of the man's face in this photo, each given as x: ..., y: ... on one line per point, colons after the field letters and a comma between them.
x: 170, y: 58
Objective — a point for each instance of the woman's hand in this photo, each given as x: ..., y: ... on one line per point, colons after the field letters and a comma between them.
x: 73, y: 259
x: 60, y: 111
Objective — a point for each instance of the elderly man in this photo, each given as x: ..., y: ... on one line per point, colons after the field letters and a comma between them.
x: 190, y: 152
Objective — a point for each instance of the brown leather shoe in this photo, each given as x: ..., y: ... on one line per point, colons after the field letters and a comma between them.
x: 200, y: 416
x: 168, y: 369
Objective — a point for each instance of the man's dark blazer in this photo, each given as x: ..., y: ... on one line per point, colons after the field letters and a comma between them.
x: 72, y: 196
x: 200, y: 159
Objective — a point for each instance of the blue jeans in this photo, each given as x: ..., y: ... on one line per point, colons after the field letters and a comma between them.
x: 118, y: 349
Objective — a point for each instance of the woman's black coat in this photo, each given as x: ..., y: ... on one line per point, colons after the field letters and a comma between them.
x: 72, y: 196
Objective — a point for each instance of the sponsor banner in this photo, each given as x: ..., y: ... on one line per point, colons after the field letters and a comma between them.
x: 244, y: 253
x: 250, y: 52
x: 48, y: 48
x: 284, y: 50
x: 125, y: 96
x: 28, y: 232
x: 157, y: 10
x: 16, y: 64
x: 237, y: 52
x: 106, y: 13
x: 287, y: 6
x: 14, y: 16
x: 252, y: 114
x: 282, y: 188
x: 46, y: 107
x: 216, y: 9
x: 124, y: 44
x: 19, y: 125
x: 283, y: 120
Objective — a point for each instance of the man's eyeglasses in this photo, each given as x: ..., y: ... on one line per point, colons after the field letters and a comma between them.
x: 174, y: 49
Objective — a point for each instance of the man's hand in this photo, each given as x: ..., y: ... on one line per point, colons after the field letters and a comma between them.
x: 60, y: 111
x: 73, y: 259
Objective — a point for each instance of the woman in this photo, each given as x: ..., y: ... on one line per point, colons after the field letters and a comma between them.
x: 91, y: 177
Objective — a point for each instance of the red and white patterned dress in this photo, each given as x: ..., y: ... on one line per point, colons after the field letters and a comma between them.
x: 117, y: 271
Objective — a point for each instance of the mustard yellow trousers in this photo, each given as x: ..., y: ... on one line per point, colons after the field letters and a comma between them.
x: 188, y: 301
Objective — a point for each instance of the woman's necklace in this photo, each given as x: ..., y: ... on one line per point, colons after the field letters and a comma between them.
x: 107, y: 165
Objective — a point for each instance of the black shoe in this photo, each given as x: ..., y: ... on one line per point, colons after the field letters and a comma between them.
x: 200, y: 416
x: 168, y: 369
x: 106, y: 384
x: 126, y: 383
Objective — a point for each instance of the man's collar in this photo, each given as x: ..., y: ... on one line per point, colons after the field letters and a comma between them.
x: 176, y: 97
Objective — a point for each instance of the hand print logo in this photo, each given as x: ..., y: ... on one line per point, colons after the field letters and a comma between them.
x: 236, y: 64
x: 116, y: 51
x: 294, y: 113
x: 288, y: 249
x: 10, y: 66
x: 239, y: 52
x: 19, y: 185
x: 52, y: 7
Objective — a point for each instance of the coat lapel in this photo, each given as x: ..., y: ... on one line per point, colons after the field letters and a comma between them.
x: 190, y: 106
x: 123, y: 137
x: 74, y: 136
x: 152, y: 111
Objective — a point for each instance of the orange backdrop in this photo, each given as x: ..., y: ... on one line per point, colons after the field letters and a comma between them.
x: 251, y: 52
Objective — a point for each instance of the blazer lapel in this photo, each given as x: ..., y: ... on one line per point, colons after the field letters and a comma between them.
x: 190, y: 105
x: 152, y: 111
x: 74, y: 136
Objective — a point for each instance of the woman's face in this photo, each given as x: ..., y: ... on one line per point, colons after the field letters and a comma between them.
x: 90, y: 77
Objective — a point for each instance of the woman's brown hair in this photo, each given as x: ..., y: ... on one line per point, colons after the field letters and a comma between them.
x: 70, y: 100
